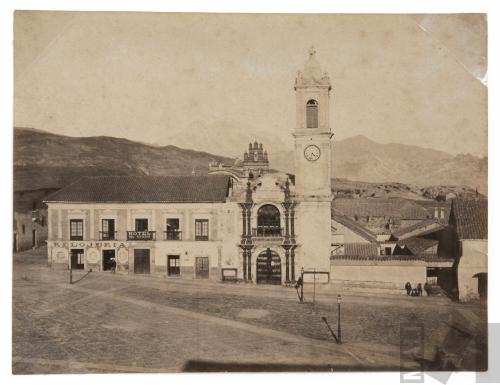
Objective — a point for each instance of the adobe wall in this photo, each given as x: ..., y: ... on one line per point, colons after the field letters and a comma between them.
x: 474, y: 260
x: 387, y: 273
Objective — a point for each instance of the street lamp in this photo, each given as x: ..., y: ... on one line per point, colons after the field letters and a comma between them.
x: 302, y: 284
x: 339, y: 331
x: 70, y: 272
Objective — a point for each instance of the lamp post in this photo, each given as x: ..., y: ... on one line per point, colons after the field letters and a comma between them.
x: 339, y: 330
x: 302, y: 285
x: 70, y: 272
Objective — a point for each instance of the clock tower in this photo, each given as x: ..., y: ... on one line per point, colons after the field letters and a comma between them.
x: 313, y: 162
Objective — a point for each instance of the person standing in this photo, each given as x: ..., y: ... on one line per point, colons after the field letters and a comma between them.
x: 408, y: 288
x: 419, y: 290
x: 427, y: 288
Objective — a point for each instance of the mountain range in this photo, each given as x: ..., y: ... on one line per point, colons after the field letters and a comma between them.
x: 46, y: 160
x: 361, y: 159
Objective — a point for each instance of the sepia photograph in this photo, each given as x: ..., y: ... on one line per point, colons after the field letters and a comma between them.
x: 243, y: 192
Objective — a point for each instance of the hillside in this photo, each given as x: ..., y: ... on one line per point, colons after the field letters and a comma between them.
x: 359, y: 158
x: 45, y: 160
x: 362, y: 167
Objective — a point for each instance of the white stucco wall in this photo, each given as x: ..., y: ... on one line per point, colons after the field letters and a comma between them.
x: 473, y: 260
x: 389, y: 273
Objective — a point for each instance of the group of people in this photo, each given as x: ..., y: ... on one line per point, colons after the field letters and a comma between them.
x: 417, y: 291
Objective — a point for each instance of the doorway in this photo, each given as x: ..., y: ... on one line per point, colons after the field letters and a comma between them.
x: 202, y: 268
x: 77, y: 259
x: 33, y: 238
x: 269, y: 268
x: 173, y: 265
x: 482, y: 285
x: 141, y: 261
x: 108, y: 260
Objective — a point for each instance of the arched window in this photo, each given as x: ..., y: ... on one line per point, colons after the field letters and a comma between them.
x: 268, y: 221
x: 312, y: 113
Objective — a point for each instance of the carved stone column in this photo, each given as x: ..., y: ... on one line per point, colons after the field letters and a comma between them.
x: 245, y: 264
x: 287, y: 265
x: 249, y: 265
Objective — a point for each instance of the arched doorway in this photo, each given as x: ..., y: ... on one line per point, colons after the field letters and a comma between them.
x: 268, y: 221
x: 269, y: 268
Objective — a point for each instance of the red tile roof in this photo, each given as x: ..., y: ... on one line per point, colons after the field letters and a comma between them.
x: 209, y: 188
x: 469, y: 217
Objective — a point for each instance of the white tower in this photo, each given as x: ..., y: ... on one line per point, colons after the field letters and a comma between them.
x: 313, y: 159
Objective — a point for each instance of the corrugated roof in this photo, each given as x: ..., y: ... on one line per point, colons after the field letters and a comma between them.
x: 470, y: 218
x: 208, y: 188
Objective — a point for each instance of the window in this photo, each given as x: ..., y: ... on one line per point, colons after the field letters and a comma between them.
x: 268, y: 221
x: 312, y: 114
x: 173, y: 232
x: 201, y: 230
x: 141, y: 224
x: 108, y: 229
x: 388, y: 251
x: 76, y: 229
x: 24, y: 229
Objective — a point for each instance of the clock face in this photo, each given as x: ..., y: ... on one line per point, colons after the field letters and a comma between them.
x: 312, y: 152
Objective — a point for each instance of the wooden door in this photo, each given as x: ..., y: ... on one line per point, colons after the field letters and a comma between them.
x: 77, y: 258
x: 173, y: 265
x: 202, y: 267
x: 269, y: 268
x: 141, y: 261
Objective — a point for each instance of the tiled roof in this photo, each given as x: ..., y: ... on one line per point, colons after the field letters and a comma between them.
x: 354, y: 226
x: 470, y: 218
x: 211, y: 188
x: 425, y: 227
x: 431, y: 205
x: 360, y: 249
x: 400, y: 208
x: 401, y: 258
x: 418, y: 245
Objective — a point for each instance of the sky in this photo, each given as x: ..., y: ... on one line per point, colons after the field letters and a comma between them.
x: 214, y: 82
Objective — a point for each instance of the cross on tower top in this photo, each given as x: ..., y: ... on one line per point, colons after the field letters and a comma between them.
x: 312, y: 51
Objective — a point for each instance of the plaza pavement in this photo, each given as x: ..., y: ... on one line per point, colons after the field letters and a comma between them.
x: 128, y: 323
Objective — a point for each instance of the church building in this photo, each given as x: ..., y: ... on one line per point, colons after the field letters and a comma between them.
x: 239, y: 222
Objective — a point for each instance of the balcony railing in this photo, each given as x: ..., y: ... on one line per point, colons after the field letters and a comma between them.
x: 267, y: 232
x: 107, y: 235
x: 141, y: 235
x: 172, y: 235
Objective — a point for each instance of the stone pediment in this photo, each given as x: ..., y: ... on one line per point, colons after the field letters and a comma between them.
x: 269, y: 187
